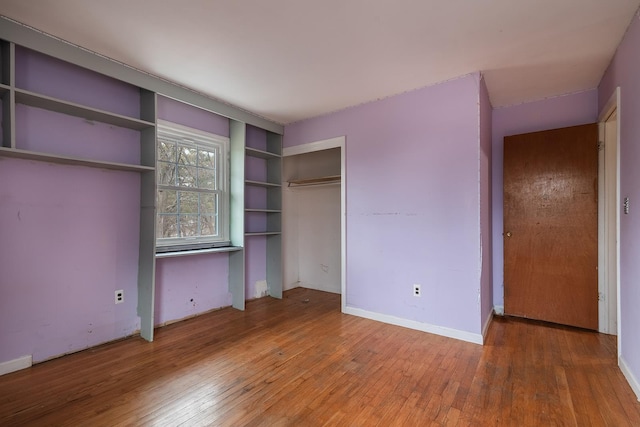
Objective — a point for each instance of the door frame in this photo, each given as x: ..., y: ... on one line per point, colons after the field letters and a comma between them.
x: 325, y: 144
x: 609, y: 314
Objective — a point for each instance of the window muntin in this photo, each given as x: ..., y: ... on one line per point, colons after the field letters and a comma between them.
x: 192, y: 182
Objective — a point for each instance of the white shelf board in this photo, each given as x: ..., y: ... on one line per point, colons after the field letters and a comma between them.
x: 53, y: 104
x: 264, y: 210
x: 197, y: 252
x: 262, y: 184
x: 68, y: 160
x: 262, y: 233
x: 254, y: 152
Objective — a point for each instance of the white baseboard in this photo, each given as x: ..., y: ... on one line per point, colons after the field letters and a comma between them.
x: 633, y: 381
x: 419, y: 326
x: 499, y: 310
x: 485, y: 327
x: 16, y: 364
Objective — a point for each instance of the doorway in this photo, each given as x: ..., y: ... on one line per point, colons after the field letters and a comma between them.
x: 314, y: 216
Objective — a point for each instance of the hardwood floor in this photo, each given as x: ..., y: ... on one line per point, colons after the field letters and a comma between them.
x: 300, y: 362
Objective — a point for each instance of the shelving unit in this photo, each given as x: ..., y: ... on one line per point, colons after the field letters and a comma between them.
x: 18, y: 98
x: 271, y: 210
x: 145, y: 125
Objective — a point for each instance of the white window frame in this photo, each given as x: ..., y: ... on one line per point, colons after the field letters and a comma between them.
x: 190, y: 136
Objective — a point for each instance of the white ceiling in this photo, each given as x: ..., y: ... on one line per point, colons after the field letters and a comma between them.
x: 288, y: 60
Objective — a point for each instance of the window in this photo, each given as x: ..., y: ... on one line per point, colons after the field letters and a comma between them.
x: 193, y: 189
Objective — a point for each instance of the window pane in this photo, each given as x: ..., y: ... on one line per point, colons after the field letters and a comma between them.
x: 187, y: 176
x: 188, y: 225
x: 208, y: 203
x: 208, y: 226
x: 167, y: 201
x: 207, y: 179
x: 167, y: 226
x: 206, y: 158
x: 188, y: 202
x: 187, y: 155
x: 167, y: 151
x: 166, y: 173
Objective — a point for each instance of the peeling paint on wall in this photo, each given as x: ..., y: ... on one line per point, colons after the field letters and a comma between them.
x: 261, y: 289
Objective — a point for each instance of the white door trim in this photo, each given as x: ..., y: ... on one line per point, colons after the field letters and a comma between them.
x: 608, y: 254
x: 325, y: 144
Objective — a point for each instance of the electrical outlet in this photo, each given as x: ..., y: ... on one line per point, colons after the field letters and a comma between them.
x: 119, y: 296
x: 416, y: 290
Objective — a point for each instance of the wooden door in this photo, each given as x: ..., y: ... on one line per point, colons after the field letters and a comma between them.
x: 551, y: 226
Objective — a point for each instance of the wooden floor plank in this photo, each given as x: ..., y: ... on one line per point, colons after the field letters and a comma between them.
x: 299, y: 361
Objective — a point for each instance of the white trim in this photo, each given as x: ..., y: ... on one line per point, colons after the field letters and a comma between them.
x: 498, y: 310
x: 485, y: 328
x: 418, y: 326
x: 605, y: 315
x: 326, y: 144
x: 631, y: 379
x: 192, y: 137
x: 16, y: 364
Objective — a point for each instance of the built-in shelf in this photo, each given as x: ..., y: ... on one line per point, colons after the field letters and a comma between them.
x: 262, y: 184
x: 333, y: 179
x: 48, y: 103
x: 197, y: 252
x: 262, y: 233
x: 254, y: 152
x: 69, y: 160
x: 264, y: 210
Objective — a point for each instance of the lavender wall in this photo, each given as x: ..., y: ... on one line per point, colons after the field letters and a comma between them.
x: 486, y: 291
x: 50, y: 76
x: 623, y: 72
x: 69, y: 241
x: 412, y: 177
x: 187, y: 286
x: 562, y: 111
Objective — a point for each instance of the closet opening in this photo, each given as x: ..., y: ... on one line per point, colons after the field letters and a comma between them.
x: 313, y: 216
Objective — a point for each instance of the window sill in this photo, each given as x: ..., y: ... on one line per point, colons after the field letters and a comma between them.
x: 197, y: 252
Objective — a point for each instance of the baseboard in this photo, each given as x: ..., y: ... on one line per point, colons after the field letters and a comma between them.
x: 499, y: 310
x: 485, y: 327
x: 419, y: 326
x: 631, y: 379
x: 16, y: 364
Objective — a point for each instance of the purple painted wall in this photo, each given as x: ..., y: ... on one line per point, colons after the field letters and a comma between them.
x: 413, y: 208
x: 486, y: 288
x: 194, y: 117
x: 55, y: 133
x: 69, y: 241
x: 186, y: 286
x: 46, y: 75
x: 562, y: 111
x: 623, y: 72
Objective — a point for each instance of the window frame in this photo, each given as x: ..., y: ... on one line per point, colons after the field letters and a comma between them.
x: 190, y: 136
